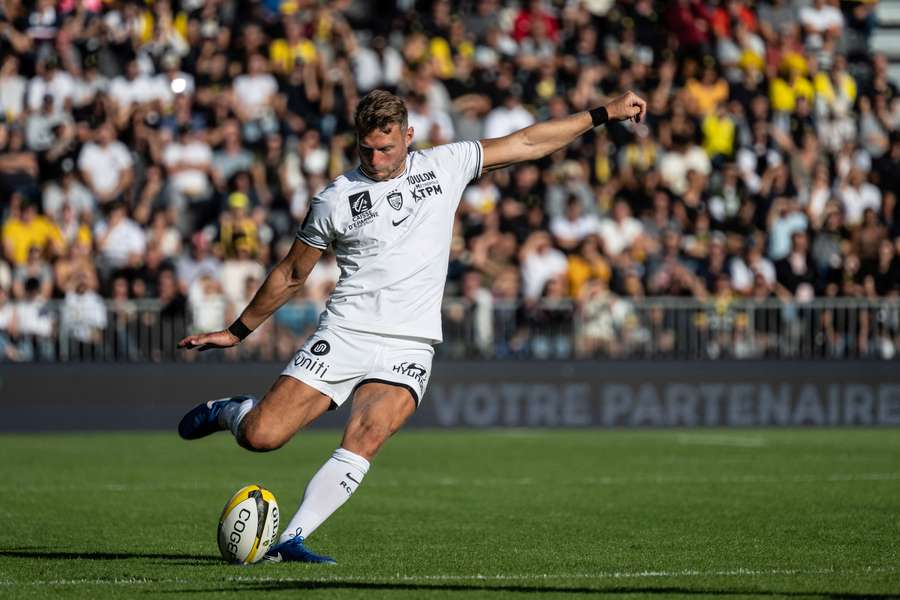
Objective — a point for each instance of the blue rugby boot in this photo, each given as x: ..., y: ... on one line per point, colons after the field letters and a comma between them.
x: 293, y: 550
x: 203, y: 419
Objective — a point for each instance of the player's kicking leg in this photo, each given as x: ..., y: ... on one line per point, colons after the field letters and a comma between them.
x: 263, y: 425
x: 379, y: 410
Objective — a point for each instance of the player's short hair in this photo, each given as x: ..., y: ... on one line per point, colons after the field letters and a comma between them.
x: 379, y: 110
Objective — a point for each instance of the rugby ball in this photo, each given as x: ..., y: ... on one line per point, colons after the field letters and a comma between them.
x: 248, y: 526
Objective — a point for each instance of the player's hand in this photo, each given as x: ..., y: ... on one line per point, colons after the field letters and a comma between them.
x: 208, y: 341
x: 627, y: 106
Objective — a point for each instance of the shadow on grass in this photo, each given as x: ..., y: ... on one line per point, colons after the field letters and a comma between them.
x: 105, y: 556
x: 274, y: 586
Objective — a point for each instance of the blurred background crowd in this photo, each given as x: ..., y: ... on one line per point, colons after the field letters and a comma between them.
x: 163, y: 153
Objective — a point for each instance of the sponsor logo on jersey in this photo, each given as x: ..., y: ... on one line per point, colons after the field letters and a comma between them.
x: 414, y: 370
x: 320, y: 348
x: 424, y: 185
x: 425, y: 177
x: 361, y: 210
x: 395, y: 199
x: 314, y: 365
x: 360, y: 203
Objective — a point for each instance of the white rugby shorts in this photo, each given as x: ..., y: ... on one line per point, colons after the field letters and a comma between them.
x: 336, y: 361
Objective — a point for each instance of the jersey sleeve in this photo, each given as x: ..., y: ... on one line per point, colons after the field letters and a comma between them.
x: 317, y: 229
x: 462, y: 160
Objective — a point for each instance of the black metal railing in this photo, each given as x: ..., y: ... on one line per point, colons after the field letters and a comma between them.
x: 608, y: 327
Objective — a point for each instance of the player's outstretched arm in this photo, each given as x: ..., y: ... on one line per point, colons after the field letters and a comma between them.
x: 541, y: 139
x: 282, y: 283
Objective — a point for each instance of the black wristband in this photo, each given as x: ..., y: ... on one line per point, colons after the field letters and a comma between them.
x: 599, y: 116
x: 239, y: 330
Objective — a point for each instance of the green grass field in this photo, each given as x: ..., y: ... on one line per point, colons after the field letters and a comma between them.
x: 492, y: 514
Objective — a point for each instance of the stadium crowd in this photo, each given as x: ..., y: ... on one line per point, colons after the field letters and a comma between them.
x: 168, y: 150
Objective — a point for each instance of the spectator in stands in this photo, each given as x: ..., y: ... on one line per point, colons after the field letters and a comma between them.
x: 196, y: 263
x: 744, y: 269
x: 233, y: 157
x: 550, y: 321
x: 50, y: 81
x: 237, y: 269
x: 785, y: 219
x: 508, y: 117
x: 119, y: 238
x: 188, y: 162
x: 208, y: 304
x: 123, y: 337
x: 83, y: 321
x: 35, y: 268
x: 25, y: 230
x: 569, y: 179
x: 571, y: 228
x: 541, y: 262
x: 253, y: 98
x: 887, y: 271
x: 172, y: 322
x: 70, y: 192
x: 235, y: 225
x: 106, y: 165
x: 8, y: 328
x: 821, y: 18
x: 857, y: 195
x: 683, y: 156
x: 36, y: 324
x: 795, y: 272
x: 620, y: 230
x: 12, y: 88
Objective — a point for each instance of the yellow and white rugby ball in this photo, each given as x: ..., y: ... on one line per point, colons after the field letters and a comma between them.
x: 248, y: 526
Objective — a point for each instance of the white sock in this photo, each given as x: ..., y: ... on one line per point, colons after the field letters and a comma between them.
x: 233, y: 413
x: 326, y: 492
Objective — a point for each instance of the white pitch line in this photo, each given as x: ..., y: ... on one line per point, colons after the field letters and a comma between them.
x: 736, y: 441
x: 599, y: 576
x: 650, y: 479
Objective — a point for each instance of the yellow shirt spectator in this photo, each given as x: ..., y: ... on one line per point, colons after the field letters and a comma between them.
x: 825, y: 88
x: 236, y: 228
x: 20, y: 234
x: 581, y: 270
x: 718, y: 135
x: 706, y: 96
x: 84, y: 237
x: 794, y: 62
x: 639, y: 157
x: 783, y: 94
x: 285, y: 55
x: 440, y: 52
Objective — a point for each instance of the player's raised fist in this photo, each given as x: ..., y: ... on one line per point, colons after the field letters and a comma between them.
x: 207, y: 341
x: 627, y: 106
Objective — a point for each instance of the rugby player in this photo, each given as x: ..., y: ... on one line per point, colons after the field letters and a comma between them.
x: 389, y: 222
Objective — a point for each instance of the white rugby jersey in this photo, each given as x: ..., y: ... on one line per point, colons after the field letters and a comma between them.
x: 392, y: 240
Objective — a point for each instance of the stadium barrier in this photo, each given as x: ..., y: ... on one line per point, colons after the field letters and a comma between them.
x: 486, y: 393
x: 606, y: 327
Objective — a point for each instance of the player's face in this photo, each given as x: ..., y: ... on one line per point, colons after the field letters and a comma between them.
x: 383, y: 154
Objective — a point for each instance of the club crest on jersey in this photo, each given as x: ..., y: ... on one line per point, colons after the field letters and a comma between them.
x: 361, y: 210
x: 395, y: 199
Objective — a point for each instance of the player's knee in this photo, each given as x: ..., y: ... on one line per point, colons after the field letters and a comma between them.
x: 259, y: 439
